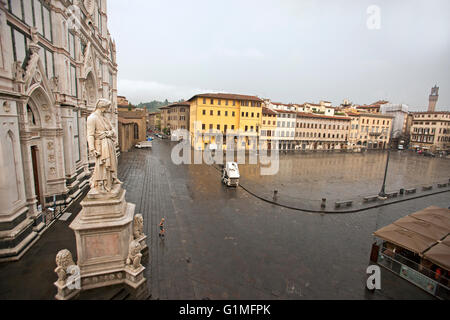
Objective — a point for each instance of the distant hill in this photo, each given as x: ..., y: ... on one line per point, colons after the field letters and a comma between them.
x: 155, y: 104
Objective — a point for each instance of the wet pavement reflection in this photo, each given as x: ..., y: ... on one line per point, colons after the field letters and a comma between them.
x: 223, y: 243
x: 314, y: 176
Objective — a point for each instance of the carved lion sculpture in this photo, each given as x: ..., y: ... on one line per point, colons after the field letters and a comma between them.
x: 138, y: 226
x: 63, y: 261
x: 134, y: 255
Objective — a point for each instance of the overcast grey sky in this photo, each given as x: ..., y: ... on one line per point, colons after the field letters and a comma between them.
x: 288, y: 51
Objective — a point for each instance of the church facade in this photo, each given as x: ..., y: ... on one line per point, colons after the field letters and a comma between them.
x: 56, y: 59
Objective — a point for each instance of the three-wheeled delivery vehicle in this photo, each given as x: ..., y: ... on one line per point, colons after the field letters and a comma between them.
x: 230, y: 174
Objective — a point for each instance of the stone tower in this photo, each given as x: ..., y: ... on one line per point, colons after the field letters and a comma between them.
x: 433, y: 98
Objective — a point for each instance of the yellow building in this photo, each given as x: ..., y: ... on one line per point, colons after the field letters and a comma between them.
x: 223, y: 112
x: 369, y: 130
x: 154, y: 121
x: 268, y: 129
x: 175, y: 116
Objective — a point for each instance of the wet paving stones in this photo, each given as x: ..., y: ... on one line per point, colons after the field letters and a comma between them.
x: 223, y: 243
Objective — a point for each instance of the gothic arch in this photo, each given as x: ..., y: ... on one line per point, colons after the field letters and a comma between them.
x: 42, y: 106
x: 91, y: 89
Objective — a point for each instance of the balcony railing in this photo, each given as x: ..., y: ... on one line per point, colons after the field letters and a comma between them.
x: 426, y: 279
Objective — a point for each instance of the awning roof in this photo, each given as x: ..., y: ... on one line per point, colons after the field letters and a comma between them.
x: 425, y: 228
x: 425, y: 232
x: 446, y: 241
x: 405, y: 238
x: 435, y: 215
x: 440, y: 255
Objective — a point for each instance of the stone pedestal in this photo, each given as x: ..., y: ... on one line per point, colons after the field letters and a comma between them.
x: 65, y: 291
x: 103, y: 232
x: 134, y: 277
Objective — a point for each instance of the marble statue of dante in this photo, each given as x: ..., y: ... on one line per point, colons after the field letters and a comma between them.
x: 101, y: 142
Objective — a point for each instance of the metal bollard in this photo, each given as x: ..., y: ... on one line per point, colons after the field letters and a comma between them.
x: 323, y: 204
x: 275, y: 192
x: 402, y: 191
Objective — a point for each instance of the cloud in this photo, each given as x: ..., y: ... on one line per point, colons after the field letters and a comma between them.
x: 250, y: 53
x: 247, y: 53
x: 143, y: 91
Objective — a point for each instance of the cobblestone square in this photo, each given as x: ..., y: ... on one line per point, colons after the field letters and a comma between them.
x: 226, y: 244
x: 223, y: 243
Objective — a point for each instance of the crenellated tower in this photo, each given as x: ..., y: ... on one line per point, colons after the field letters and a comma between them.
x: 433, y: 99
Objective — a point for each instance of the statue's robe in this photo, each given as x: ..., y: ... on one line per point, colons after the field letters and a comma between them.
x: 105, y: 168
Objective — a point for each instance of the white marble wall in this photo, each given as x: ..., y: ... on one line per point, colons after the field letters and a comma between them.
x: 63, y: 166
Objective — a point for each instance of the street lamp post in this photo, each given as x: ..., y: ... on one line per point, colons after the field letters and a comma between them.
x: 383, y: 192
x: 383, y: 187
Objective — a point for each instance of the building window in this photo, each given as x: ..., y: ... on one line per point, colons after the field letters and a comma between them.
x: 226, y: 113
x: 19, y: 42
x: 210, y: 112
x: 218, y: 111
x: 212, y: 101
x: 232, y: 114
x: 28, y: 12
x: 204, y: 112
x: 47, y: 23
x: 203, y: 126
x: 73, y: 81
x: 218, y: 127
x: 110, y: 80
x: 136, y: 131
x: 219, y: 102
x: 71, y: 45
x: 204, y: 100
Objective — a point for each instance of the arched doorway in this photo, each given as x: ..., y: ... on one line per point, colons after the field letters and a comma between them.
x: 39, y: 152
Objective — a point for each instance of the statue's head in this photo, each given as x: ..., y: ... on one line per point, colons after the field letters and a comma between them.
x: 102, y: 104
x: 64, y: 259
x: 138, y: 219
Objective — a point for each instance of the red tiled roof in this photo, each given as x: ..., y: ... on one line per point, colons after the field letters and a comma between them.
x: 286, y: 111
x: 176, y: 104
x: 368, y: 114
x: 369, y: 106
x: 266, y: 110
x: 230, y: 96
x: 279, y: 104
x: 431, y: 112
x: 322, y: 116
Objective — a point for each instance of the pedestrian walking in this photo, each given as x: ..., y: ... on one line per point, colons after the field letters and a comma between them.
x: 161, y: 229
